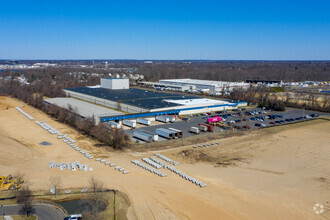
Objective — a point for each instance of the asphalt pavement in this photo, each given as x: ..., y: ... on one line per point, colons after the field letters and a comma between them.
x: 43, y: 211
x: 185, y: 126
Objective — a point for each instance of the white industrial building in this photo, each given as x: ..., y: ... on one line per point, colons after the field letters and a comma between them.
x: 114, y: 83
x: 205, y: 85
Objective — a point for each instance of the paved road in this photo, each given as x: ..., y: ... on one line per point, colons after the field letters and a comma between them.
x: 43, y: 211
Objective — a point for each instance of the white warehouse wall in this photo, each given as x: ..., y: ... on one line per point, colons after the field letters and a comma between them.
x: 114, y: 83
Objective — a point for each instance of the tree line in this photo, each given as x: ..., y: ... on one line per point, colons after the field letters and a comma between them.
x: 31, y: 95
x: 279, y: 100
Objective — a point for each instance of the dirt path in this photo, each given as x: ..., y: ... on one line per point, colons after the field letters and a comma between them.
x: 281, y: 175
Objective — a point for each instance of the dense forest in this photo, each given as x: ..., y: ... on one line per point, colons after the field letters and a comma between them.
x: 238, y: 71
x: 208, y: 70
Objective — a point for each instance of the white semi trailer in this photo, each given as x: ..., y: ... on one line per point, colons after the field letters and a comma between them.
x: 170, y: 118
x: 129, y: 123
x: 202, y: 128
x: 143, y: 121
x: 114, y: 124
x: 145, y: 136
x: 178, y: 133
x: 162, y: 118
x: 194, y: 130
x: 163, y: 132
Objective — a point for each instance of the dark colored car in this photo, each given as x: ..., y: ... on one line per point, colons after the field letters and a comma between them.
x: 272, y: 123
x: 246, y: 127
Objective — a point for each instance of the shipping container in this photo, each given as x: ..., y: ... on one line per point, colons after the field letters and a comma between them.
x: 165, y: 133
x: 145, y: 136
x: 195, y: 130
x: 162, y: 118
x: 178, y: 133
x: 143, y: 121
x: 114, y: 124
x: 129, y: 123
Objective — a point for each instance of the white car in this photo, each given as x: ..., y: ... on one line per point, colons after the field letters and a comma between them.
x: 74, y: 217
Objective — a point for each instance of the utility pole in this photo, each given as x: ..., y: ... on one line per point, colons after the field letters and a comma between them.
x: 114, y: 204
x: 303, y: 111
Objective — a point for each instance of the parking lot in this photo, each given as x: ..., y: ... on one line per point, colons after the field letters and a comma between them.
x: 237, y: 118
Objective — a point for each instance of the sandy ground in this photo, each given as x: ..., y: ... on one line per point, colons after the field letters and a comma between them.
x: 272, y: 175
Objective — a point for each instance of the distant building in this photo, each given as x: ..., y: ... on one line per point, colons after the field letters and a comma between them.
x: 258, y: 81
x: 202, y: 85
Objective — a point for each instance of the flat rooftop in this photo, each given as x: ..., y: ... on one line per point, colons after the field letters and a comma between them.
x: 84, y: 109
x: 198, y: 102
x: 199, y: 82
x: 136, y: 97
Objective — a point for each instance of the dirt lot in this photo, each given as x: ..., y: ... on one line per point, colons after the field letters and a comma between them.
x: 276, y: 173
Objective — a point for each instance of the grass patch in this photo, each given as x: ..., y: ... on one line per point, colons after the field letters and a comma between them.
x: 22, y: 217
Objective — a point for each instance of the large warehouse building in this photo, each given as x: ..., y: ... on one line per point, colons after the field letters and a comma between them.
x: 145, y: 103
x: 199, y: 85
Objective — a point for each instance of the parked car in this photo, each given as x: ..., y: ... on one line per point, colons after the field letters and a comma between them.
x: 272, y: 123
x: 246, y: 127
x: 74, y: 217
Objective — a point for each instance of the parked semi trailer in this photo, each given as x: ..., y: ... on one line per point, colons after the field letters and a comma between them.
x: 213, y: 119
x: 170, y: 118
x: 209, y: 127
x: 145, y: 136
x: 166, y: 133
x: 114, y: 124
x: 162, y: 118
x: 194, y: 130
x: 178, y: 133
x: 129, y: 123
x: 202, y: 128
x: 143, y: 121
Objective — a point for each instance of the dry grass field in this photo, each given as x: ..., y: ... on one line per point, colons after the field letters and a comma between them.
x: 276, y: 173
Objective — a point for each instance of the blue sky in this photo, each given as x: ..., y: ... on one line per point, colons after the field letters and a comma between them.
x: 219, y: 30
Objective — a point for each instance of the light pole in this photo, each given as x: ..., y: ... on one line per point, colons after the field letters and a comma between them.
x: 3, y: 214
x: 303, y: 111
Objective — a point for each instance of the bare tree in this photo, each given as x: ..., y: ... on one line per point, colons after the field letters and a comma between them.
x: 96, y: 185
x: 24, y: 198
x: 94, y: 205
x: 55, y: 183
x: 18, y: 181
